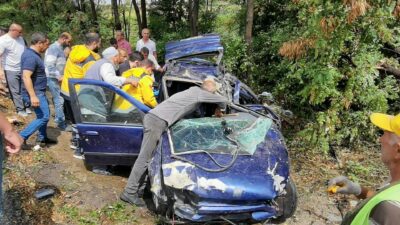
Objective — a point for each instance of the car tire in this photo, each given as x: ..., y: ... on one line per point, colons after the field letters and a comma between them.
x: 287, y: 203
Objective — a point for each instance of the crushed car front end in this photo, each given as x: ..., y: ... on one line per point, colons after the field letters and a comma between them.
x: 202, y: 177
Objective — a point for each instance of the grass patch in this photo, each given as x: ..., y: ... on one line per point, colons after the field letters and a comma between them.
x: 116, y: 213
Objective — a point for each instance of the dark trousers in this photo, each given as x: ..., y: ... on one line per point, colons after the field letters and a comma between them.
x: 69, y: 115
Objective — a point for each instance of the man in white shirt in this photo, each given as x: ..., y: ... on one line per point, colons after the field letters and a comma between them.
x: 105, y: 69
x: 146, y: 42
x: 12, y: 46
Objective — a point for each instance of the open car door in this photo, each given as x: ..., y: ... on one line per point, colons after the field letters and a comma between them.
x: 109, y: 122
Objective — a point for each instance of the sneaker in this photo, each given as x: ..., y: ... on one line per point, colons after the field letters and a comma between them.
x: 28, y: 111
x: 46, y: 141
x: 22, y: 113
x: 78, y: 154
x: 36, y: 148
x: 132, y: 199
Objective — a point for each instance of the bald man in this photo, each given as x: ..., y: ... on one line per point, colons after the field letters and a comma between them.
x: 12, y: 45
x: 157, y: 120
x: 147, y: 42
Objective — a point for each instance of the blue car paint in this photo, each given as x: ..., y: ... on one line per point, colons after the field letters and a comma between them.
x: 254, y: 175
x: 110, y: 138
x: 193, y: 46
x: 249, y: 173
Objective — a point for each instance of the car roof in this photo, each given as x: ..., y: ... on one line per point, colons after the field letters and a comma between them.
x: 207, y: 43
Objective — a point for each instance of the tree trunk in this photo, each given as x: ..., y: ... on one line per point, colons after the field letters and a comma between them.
x: 138, y: 17
x: 94, y: 15
x: 82, y: 5
x: 193, y: 16
x: 144, y: 16
x: 128, y: 30
x: 117, y: 22
x: 124, y: 21
x: 391, y: 70
x: 249, y: 22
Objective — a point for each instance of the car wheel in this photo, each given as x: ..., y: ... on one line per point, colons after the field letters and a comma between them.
x: 287, y: 203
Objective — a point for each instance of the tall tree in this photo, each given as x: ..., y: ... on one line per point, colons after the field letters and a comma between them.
x: 144, y: 16
x: 95, y: 22
x: 124, y: 20
x: 194, y: 16
x: 117, y: 22
x: 249, y: 22
x: 138, y: 16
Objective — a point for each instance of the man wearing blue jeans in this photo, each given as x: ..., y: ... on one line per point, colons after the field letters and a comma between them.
x: 54, y: 61
x: 34, y: 77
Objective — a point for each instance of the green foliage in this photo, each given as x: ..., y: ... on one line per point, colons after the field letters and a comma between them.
x: 332, y: 84
x: 53, y: 18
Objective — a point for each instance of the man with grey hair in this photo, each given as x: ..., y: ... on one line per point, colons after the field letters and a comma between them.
x: 105, y: 69
x: 34, y: 77
x: 157, y: 120
x: 147, y: 42
x: 12, y: 46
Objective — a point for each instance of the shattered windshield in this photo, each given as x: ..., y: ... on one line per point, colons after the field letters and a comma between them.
x: 220, y: 135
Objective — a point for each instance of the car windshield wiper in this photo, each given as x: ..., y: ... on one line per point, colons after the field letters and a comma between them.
x: 272, y: 115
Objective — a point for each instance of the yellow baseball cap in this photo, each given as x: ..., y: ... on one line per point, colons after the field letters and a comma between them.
x: 386, y: 122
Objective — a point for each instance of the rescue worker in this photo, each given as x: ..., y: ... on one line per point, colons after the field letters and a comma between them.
x: 157, y: 120
x: 144, y: 91
x: 76, y: 65
x: 382, y: 207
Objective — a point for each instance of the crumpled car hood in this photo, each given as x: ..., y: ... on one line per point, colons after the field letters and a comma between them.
x: 252, y: 178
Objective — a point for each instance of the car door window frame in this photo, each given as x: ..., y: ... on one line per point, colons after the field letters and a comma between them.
x: 75, y: 102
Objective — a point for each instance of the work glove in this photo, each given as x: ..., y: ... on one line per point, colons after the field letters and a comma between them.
x: 345, y: 186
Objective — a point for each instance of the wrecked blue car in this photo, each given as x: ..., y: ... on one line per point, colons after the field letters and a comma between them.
x: 233, y: 169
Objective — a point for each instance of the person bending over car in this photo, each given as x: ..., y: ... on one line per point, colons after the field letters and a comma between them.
x: 157, y: 120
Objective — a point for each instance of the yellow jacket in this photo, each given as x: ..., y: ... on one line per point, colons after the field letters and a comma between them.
x: 143, y: 92
x: 77, y: 64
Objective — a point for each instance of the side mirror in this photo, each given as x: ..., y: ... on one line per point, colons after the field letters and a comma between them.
x: 266, y: 96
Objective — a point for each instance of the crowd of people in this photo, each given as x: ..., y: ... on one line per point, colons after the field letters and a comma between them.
x: 25, y: 75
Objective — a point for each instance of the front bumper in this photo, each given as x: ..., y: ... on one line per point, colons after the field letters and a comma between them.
x: 209, y: 211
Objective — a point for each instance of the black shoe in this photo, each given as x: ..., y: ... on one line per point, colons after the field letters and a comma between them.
x: 46, y: 141
x: 132, y: 199
x: 25, y: 146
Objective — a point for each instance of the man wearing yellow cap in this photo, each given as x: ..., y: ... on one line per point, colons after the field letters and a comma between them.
x: 382, y: 207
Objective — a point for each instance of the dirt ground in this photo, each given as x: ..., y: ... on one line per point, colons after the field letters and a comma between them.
x: 82, y: 197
